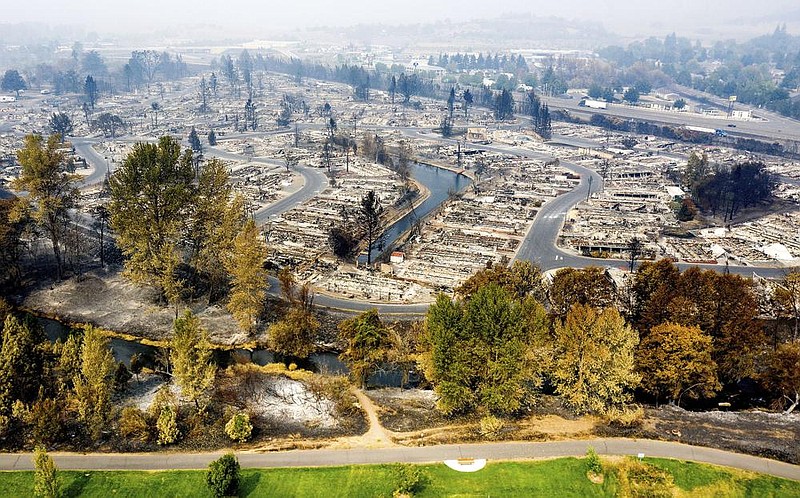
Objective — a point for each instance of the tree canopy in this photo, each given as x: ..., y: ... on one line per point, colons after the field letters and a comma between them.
x: 593, y: 362
x: 367, y: 344
x: 150, y: 197
x: 482, y: 353
x: 190, y: 355
x: 675, y: 360
x: 51, y: 189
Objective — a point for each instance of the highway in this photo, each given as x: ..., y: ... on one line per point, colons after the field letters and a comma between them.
x: 392, y: 454
x: 772, y: 128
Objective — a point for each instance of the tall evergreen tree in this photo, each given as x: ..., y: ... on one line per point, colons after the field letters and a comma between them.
x: 369, y: 217
x: 248, y: 277
x: 190, y: 355
x: 94, y: 383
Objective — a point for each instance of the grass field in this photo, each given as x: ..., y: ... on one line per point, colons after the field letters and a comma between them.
x: 564, y: 477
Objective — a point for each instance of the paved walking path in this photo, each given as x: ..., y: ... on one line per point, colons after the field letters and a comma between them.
x: 427, y: 454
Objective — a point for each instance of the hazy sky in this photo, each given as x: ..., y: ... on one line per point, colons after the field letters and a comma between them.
x: 623, y: 16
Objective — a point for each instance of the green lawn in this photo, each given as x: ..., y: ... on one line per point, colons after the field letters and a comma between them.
x: 563, y: 477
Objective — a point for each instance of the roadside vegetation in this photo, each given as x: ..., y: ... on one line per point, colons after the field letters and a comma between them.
x: 562, y: 477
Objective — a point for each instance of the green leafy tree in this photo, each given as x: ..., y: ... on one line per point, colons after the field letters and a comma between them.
x: 61, y: 123
x: 69, y: 360
x: 675, y: 360
x: 409, y: 479
x: 482, y: 353
x: 223, y: 476
x: 51, y: 189
x: 367, y: 344
x: 95, y: 382
x: 212, y: 138
x: 14, y: 221
x: 593, y: 365
x: 217, y: 216
x: 45, y: 479
x: 194, y: 141
x: 294, y: 335
x: 190, y: 355
x: 248, y: 277
x: 13, y: 82
x: 239, y: 427
x: 631, y: 95
x: 504, y: 105
x: 150, y: 200
x: 91, y: 91
x: 468, y: 98
x: 22, y: 363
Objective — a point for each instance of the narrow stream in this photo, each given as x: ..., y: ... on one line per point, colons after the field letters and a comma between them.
x: 440, y: 182
x: 327, y: 363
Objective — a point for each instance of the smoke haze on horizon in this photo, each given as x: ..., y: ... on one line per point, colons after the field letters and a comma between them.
x: 627, y: 18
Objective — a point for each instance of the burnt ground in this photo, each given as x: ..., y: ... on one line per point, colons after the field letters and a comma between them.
x: 766, y: 434
x: 108, y: 300
x: 411, y: 414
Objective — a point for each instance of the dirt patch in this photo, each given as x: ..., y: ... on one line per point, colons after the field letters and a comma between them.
x: 556, y: 426
x: 407, y: 410
x: 110, y: 301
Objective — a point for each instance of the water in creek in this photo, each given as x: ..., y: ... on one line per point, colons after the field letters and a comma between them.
x: 441, y: 183
x: 325, y: 362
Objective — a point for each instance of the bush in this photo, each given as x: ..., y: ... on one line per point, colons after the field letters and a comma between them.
x: 45, y: 480
x: 44, y: 418
x: 239, y: 427
x: 491, y: 427
x: 164, y: 397
x: 134, y: 424
x: 167, y: 425
x: 593, y: 463
x: 223, y: 476
x: 409, y: 479
x: 625, y: 417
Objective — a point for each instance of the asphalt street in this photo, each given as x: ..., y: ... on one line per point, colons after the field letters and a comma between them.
x: 425, y: 454
x: 539, y: 246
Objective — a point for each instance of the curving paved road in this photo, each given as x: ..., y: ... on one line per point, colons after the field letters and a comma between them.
x: 425, y: 454
x: 539, y: 245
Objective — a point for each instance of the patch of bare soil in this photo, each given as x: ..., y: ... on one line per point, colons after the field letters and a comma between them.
x: 109, y: 301
x: 407, y: 410
x: 412, y: 417
x: 765, y: 434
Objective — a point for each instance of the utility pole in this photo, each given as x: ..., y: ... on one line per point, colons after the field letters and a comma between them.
x: 589, y: 191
